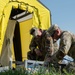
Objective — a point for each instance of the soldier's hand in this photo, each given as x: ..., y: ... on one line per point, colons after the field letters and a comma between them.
x: 37, y: 51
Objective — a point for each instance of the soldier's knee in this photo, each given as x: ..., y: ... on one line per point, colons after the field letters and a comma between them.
x: 31, y: 56
x: 28, y: 54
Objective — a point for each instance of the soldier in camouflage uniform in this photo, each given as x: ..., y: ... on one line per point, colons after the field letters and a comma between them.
x: 41, y: 44
x: 66, y: 44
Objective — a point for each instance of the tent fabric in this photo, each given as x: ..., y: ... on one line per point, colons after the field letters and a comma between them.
x: 6, y: 53
x: 40, y: 19
x: 41, y: 15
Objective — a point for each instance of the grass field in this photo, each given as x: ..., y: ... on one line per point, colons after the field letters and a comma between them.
x: 41, y: 71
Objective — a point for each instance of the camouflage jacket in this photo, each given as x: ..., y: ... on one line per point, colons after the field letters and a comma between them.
x: 43, y: 43
x: 66, y: 46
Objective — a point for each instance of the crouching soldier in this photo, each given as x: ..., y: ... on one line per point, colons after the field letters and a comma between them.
x: 41, y: 45
x: 66, y: 45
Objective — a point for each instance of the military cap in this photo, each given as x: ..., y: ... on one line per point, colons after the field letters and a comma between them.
x: 33, y: 31
x: 52, y: 29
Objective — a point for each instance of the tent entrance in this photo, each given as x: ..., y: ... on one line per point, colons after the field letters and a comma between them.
x: 18, y: 15
x: 17, y: 43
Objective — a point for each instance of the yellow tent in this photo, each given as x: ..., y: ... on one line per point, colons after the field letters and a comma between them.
x: 28, y: 14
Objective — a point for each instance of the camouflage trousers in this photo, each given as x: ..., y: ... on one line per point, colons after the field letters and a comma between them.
x: 33, y: 56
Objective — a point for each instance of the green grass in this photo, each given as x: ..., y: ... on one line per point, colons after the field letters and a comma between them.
x: 41, y: 71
